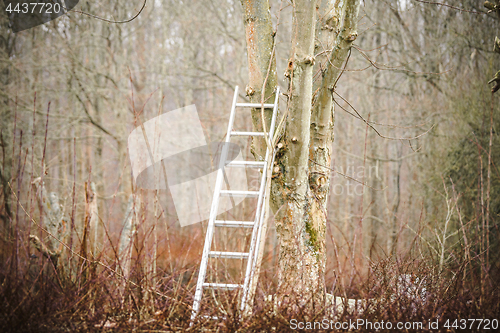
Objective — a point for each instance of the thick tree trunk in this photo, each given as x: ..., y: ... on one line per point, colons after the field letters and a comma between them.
x: 298, y: 269
x: 322, y: 123
x: 374, y: 196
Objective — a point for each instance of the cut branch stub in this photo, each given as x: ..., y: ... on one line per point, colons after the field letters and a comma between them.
x: 496, y: 81
x: 496, y: 46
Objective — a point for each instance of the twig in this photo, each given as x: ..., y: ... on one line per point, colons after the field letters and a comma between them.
x: 380, y: 159
x: 81, y: 257
x: 387, y: 68
x: 110, y: 21
x: 446, y: 5
x: 368, y: 123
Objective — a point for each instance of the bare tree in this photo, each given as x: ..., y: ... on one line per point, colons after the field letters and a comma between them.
x: 301, y: 180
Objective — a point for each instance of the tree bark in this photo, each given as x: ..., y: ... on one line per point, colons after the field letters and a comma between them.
x: 95, y: 229
x: 126, y: 244
x: 259, y: 36
x: 7, y: 41
x: 322, y: 124
x: 298, y: 270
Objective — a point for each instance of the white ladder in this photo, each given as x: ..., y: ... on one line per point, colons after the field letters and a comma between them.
x: 251, y: 256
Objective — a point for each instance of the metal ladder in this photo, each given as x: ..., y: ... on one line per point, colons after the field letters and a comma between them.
x: 259, y: 215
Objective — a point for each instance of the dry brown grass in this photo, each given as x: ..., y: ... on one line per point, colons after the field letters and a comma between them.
x: 40, y: 295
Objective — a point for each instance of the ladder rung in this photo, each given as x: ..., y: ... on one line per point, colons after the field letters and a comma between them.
x: 234, y: 224
x: 254, y: 105
x: 228, y: 255
x: 214, y: 317
x: 228, y: 286
x: 247, y: 133
x: 225, y: 193
x: 248, y: 164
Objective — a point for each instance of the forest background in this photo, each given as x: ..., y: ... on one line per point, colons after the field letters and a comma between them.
x: 419, y: 195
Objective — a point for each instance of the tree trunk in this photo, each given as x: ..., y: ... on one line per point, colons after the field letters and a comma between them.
x: 301, y: 180
x: 261, y: 63
x: 126, y: 244
x: 7, y: 41
x: 299, y: 259
x: 94, y: 225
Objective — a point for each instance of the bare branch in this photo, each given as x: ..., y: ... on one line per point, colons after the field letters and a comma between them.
x: 446, y: 5
x: 110, y: 21
x: 368, y: 123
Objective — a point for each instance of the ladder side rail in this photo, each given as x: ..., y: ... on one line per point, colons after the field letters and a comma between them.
x: 213, y: 213
x: 273, y: 120
x: 254, y: 236
x: 263, y: 210
x: 253, y: 257
x: 270, y: 167
x: 256, y: 249
x: 260, y: 209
